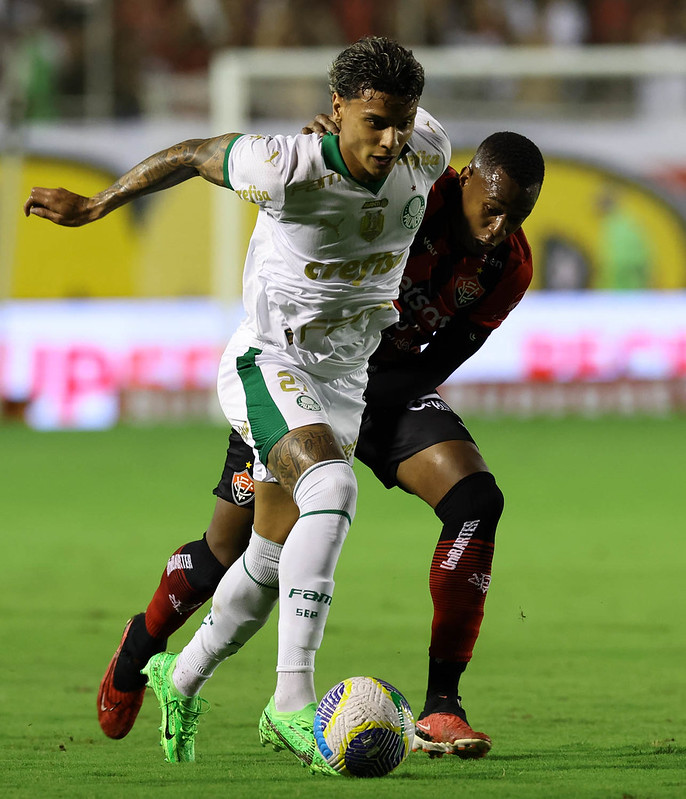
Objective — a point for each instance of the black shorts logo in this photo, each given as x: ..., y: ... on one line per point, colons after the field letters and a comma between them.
x: 428, y: 402
x: 242, y: 487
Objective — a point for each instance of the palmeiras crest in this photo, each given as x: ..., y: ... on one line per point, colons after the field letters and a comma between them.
x: 467, y: 289
x: 371, y: 225
x: 242, y: 487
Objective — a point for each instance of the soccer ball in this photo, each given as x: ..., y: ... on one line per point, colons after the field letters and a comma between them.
x: 364, y: 727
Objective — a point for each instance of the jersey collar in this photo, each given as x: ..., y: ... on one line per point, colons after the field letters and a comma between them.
x: 334, y: 160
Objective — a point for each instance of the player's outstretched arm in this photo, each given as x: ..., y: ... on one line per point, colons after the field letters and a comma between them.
x: 203, y: 157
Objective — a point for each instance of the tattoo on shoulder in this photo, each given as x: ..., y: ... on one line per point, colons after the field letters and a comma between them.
x: 208, y: 156
x: 299, y: 449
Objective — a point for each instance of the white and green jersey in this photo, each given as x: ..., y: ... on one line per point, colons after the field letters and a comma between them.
x: 327, y: 253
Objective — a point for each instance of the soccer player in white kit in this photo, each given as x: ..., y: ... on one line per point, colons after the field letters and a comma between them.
x: 336, y: 218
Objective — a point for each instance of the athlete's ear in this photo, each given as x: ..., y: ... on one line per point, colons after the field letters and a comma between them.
x: 465, y: 174
x: 336, y: 106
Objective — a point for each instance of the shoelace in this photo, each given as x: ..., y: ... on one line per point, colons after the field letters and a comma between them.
x: 189, y: 717
x: 304, y: 726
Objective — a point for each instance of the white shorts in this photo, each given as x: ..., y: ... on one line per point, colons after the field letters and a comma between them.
x: 264, y: 396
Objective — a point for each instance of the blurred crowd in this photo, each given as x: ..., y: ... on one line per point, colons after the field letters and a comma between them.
x: 49, y: 45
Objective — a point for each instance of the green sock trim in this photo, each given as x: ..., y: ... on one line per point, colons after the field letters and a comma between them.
x: 335, y: 512
x: 257, y: 582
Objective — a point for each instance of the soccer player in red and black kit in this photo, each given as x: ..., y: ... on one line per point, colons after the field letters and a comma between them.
x: 469, y: 266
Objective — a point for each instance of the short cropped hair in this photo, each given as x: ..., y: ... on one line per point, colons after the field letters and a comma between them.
x: 516, y: 155
x: 377, y: 64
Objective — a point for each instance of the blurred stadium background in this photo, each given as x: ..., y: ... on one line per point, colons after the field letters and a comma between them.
x: 125, y: 320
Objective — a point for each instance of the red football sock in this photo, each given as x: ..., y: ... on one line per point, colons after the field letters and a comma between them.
x: 458, y: 597
x: 188, y: 581
x: 461, y: 566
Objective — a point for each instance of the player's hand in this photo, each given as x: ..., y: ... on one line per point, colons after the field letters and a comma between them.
x: 321, y: 124
x: 59, y: 206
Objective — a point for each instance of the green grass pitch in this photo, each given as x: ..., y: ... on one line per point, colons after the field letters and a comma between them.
x: 578, y: 675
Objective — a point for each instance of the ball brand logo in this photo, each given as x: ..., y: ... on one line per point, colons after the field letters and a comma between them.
x: 313, y: 596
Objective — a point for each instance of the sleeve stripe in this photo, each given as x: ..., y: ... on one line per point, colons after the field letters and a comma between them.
x: 226, y: 161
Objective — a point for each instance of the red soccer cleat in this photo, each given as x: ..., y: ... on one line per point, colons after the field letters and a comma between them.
x: 447, y: 733
x: 117, y: 710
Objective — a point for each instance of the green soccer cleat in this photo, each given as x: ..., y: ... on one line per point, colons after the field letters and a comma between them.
x: 179, y: 713
x: 294, y: 731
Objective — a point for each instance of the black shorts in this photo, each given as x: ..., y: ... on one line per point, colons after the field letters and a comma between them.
x: 236, y: 484
x: 388, y: 436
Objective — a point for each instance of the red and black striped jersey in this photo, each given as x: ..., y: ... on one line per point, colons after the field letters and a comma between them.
x: 449, y: 299
x: 442, y: 280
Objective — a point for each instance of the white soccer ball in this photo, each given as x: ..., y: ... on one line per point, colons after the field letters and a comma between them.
x: 364, y: 727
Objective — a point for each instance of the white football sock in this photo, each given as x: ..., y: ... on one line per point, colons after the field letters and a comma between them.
x: 240, y: 607
x: 292, y: 690
x: 326, y: 495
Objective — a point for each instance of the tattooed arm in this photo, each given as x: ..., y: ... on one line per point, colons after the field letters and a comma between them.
x: 203, y: 157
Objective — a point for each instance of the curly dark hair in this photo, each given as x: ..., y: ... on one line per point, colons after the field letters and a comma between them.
x: 516, y: 155
x: 377, y: 64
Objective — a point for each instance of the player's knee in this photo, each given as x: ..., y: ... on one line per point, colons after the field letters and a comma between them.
x: 327, y: 486
x: 199, y: 565
x: 475, y: 498
x: 261, y: 561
